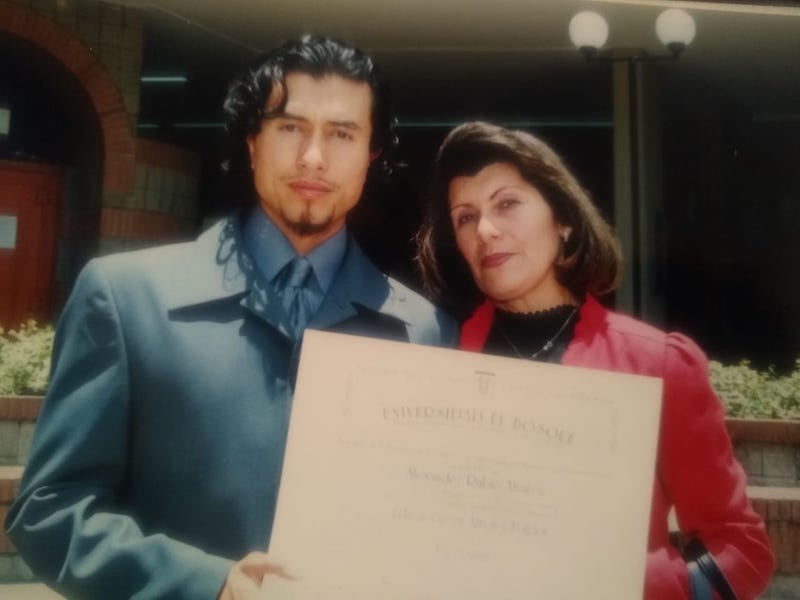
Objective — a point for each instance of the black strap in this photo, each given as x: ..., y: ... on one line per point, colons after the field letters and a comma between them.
x: 697, y: 552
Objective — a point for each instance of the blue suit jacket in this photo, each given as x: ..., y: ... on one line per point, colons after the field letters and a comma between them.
x: 158, y: 453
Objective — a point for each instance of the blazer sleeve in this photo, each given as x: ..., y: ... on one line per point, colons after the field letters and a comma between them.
x: 700, y: 473
x: 68, y: 522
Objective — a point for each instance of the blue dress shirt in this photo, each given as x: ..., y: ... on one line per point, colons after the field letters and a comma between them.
x: 272, y: 252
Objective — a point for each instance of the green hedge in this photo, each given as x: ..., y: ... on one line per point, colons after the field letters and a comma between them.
x: 25, y: 359
x: 746, y: 392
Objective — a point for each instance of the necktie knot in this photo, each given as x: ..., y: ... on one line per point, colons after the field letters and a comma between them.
x: 297, y: 293
x: 299, y: 270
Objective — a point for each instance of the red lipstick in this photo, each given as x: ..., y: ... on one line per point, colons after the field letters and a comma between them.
x: 495, y: 260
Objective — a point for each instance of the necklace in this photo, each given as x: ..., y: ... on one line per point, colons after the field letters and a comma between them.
x: 547, y: 346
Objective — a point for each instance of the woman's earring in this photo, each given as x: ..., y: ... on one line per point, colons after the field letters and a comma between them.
x: 562, y: 257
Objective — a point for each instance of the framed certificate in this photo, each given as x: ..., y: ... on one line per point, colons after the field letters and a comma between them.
x: 422, y: 473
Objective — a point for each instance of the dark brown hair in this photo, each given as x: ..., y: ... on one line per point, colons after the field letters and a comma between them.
x: 591, y: 261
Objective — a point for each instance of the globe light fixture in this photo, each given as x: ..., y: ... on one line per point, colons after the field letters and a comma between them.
x: 589, y: 30
x: 675, y: 28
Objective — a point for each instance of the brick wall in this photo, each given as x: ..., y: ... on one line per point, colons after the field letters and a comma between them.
x: 113, y: 33
x: 17, y: 418
x: 769, y: 451
x: 57, y: 27
x: 162, y: 205
x: 146, y: 192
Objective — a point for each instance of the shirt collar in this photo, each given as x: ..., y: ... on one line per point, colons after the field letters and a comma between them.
x: 271, y: 250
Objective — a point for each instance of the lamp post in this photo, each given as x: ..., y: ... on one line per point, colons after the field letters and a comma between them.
x: 634, y: 224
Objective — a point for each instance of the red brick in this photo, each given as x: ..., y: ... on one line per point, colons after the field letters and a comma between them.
x: 20, y: 408
x: 17, y: 19
x: 118, y: 174
x: 77, y: 57
x: 159, y: 154
x: 141, y: 224
x: 46, y: 33
x: 109, y: 222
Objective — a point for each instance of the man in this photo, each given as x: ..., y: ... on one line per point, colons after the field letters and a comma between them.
x: 158, y: 454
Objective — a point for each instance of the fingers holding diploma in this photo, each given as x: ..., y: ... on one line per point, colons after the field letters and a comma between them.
x: 248, y: 579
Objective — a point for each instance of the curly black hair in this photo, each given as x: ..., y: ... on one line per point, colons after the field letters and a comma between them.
x: 245, y: 105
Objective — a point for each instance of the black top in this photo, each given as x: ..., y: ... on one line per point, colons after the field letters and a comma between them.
x: 543, y: 335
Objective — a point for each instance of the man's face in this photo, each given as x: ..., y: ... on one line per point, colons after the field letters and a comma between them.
x: 310, y: 162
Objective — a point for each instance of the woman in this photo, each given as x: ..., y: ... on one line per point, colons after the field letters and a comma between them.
x: 510, y: 230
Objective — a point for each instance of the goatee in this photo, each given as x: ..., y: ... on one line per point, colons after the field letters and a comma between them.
x: 305, y: 226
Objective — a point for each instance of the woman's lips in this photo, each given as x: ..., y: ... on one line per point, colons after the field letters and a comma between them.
x: 495, y: 260
x: 309, y: 189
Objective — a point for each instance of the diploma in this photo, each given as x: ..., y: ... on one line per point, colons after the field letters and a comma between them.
x: 418, y: 473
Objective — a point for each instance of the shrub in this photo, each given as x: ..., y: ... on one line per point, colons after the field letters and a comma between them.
x: 748, y: 393
x: 25, y: 359
x: 745, y: 391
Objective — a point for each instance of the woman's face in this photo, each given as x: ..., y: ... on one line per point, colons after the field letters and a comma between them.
x: 509, y: 237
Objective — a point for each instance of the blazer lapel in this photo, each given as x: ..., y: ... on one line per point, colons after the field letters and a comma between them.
x: 358, y: 285
x: 221, y: 269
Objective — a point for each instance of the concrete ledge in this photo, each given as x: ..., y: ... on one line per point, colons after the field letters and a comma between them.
x: 20, y: 408
x: 771, y: 431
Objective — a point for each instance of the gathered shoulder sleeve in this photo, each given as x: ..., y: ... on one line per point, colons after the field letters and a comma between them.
x: 701, y: 475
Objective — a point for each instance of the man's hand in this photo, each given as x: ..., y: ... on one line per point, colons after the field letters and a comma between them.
x: 244, y: 578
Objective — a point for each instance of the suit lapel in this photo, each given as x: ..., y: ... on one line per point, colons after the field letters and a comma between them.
x: 264, y: 303
x: 358, y: 285
x: 222, y: 268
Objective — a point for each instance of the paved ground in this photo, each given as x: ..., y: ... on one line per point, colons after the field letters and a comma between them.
x: 27, y: 591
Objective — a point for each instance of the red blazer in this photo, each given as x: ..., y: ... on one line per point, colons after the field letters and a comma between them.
x: 696, y: 471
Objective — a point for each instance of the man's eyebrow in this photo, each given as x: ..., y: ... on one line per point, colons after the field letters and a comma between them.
x: 346, y: 124
x: 290, y: 117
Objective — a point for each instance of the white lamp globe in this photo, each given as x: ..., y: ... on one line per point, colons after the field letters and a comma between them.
x: 588, y: 29
x: 675, y: 28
